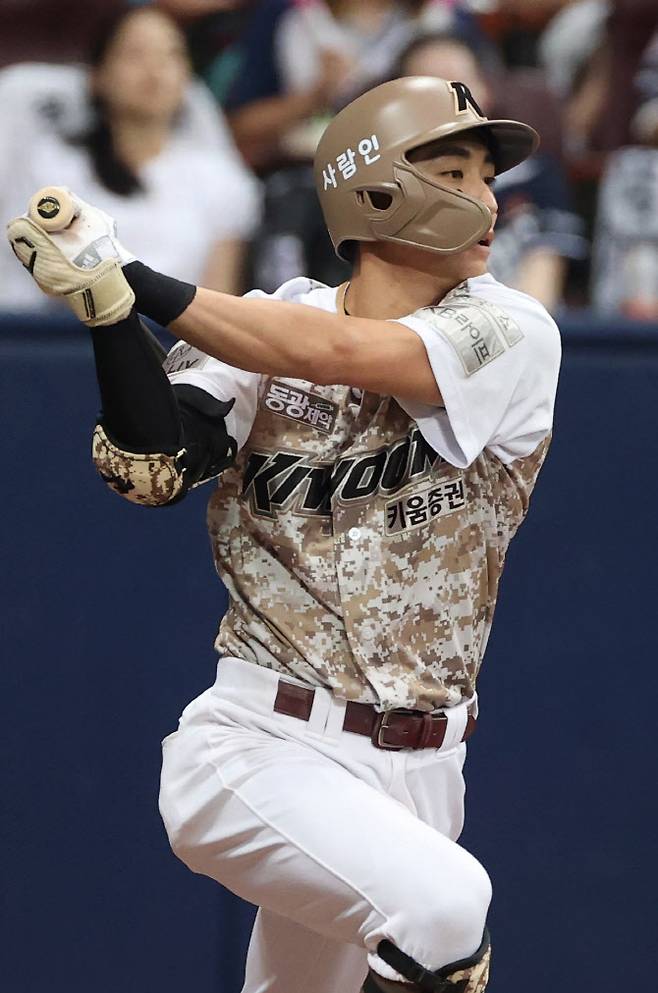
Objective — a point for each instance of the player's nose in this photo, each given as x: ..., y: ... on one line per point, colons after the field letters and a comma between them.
x: 488, y: 197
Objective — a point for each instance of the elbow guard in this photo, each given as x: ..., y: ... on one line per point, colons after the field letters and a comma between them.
x: 156, y: 479
x: 151, y: 480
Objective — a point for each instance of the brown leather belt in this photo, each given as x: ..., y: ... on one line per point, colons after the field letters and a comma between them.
x: 390, y: 729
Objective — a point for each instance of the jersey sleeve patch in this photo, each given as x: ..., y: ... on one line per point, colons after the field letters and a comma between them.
x: 183, y: 356
x: 478, y: 331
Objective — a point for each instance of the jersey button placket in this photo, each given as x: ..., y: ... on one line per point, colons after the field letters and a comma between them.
x: 352, y: 565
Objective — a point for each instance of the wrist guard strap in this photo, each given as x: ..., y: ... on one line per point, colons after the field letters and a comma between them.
x: 159, y: 297
x: 105, y: 298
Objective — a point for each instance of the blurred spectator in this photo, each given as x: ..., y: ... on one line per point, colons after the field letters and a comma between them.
x: 213, y: 29
x: 644, y: 125
x: 197, y: 8
x: 537, y: 232
x: 570, y: 40
x: 625, y: 258
x: 301, y: 61
x: 516, y: 25
x: 183, y: 204
x: 631, y: 25
x: 52, y: 30
x: 322, y: 55
x: 304, y: 60
x: 595, y: 46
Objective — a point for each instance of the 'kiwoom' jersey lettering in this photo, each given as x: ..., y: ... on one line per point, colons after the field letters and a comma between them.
x: 308, y: 488
x: 362, y: 537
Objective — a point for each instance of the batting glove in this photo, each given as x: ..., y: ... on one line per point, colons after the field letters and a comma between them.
x: 71, y: 250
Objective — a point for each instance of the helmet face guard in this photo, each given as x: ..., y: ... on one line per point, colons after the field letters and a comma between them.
x: 370, y: 190
x: 428, y: 215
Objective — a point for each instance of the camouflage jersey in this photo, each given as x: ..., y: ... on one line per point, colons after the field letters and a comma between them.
x: 362, y: 537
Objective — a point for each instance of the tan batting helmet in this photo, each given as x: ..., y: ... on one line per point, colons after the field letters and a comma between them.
x: 371, y: 191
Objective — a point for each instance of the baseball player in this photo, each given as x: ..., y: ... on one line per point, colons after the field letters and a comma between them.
x: 375, y: 447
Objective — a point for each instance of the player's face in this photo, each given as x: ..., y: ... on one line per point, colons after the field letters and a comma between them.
x: 146, y: 68
x: 464, y: 164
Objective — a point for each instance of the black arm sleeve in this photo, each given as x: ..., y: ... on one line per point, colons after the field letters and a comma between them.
x: 143, y: 413
x: 162, y: 298
x: 138, y: 403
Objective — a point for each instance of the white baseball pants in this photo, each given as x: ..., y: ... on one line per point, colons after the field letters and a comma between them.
x: 341, y: 844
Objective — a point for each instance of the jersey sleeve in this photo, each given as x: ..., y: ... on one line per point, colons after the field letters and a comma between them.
x: 496, y: 365
x: 187, y: 364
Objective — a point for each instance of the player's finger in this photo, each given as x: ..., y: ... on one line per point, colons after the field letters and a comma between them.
x: 20, y: 232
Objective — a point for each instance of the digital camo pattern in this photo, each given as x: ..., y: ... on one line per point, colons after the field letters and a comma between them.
x: 359, y: 559
x: 471, y: 980
x: 150, y: 480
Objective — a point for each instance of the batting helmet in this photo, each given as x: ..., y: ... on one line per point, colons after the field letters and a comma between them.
x: 371, y: 191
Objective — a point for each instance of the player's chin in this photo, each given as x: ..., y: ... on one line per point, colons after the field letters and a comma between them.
x: 474, y: 261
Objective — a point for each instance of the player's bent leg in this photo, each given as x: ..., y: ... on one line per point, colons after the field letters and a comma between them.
x: 291, y: 830
x: 470, y: 975
x: 360, y: 881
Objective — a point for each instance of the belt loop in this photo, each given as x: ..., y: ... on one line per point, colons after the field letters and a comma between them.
x: 456, y: 718
x: 335, y: 718
x: 317, y: 721
x: 425, y: 731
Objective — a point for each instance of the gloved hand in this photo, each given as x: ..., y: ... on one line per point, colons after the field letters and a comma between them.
x: 70, y: 248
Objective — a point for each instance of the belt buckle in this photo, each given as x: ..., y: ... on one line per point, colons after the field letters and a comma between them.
x: 379, y: 730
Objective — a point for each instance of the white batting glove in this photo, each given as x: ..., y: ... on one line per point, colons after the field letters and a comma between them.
x: 71, y: 250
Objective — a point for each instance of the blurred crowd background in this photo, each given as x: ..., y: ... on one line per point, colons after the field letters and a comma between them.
x: 194, y: 123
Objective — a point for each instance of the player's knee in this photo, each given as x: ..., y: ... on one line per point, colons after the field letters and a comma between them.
x: 457, y: 928
x: 469, y: 910
x: 460, y: 917
x: 449, y: 919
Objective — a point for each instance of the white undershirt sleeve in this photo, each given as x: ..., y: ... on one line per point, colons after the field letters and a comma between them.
x: 189, y: 365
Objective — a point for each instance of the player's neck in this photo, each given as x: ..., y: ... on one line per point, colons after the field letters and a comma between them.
x: 389, y: 285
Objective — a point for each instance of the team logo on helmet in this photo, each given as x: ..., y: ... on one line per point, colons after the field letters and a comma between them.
x: 464, y: 99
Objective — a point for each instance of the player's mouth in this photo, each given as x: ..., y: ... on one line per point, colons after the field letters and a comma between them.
x: 487, y: 240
